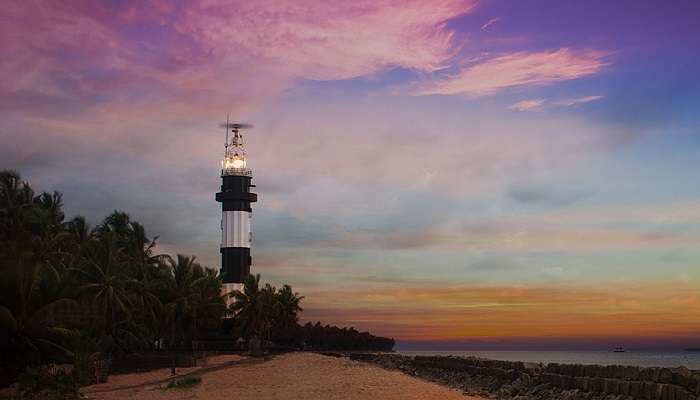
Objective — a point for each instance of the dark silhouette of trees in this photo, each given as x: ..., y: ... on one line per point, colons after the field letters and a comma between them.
x: 267, y: 313
x: 320, y: 337
x: 70, y: 293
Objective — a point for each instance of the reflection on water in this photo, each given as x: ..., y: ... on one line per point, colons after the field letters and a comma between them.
x: 640, y: 358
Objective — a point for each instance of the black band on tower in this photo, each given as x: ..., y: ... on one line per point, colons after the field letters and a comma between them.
x: 235, y: 193
x: 235, y: 264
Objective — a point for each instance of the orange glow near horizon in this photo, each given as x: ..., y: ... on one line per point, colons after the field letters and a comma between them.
x: 454, y: 313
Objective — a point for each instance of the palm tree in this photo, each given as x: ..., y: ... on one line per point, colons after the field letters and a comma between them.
x: 49, y: 211
x: 35, y: 336
x: 78, y: 228
x: 29, y: 311
x: 103, y: 282
x: 16, y: 197
x: 185, y: 273
x: 118, y: 223
x: 249, y: 307
x: 30, y: 280
x: 286, y: 313
x: 266, y: 312
x: 208, y: 302
x: 141, y: 247
x: 143, y: 287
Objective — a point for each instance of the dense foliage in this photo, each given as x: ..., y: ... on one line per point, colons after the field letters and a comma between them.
x: 73, y: 293
x: 330, y: 337
x: 271, y: 314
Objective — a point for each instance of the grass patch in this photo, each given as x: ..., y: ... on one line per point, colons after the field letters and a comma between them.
x: 184, y: 383
x: 257, y: 353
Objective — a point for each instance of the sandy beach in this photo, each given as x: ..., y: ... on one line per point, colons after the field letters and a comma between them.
x: 289, y: 376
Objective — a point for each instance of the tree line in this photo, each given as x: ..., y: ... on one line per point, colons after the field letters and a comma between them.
x: 69, y: 291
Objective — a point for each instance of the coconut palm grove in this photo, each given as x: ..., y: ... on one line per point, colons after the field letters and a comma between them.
x: 71, y: 291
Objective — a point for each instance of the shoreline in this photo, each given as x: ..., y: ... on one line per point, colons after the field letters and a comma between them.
x: 631, y: 357
x: 516, y: 379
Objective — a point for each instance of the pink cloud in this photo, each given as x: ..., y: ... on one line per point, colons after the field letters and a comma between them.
x: 518, y: 69
x: 528, y: 105
x: 331, y: 39
x: 211, y: 53
x: 537, y: 104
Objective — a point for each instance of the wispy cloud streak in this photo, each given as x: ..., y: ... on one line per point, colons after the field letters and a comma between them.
x: 518, y: 69
x: 578, y: 100
x: 490, y: 23
x: 528, y: 105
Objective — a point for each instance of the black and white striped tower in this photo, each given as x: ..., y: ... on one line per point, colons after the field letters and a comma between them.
x: 236, y: 214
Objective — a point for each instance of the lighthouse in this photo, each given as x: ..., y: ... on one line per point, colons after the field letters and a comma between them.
x: 236, y: 212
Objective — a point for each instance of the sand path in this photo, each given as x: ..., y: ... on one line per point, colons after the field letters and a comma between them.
x: 288, y: 376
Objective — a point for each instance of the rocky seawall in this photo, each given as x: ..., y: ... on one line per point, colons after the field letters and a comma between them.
x: 518, y: 380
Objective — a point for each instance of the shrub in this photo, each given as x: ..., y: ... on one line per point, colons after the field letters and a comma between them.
x: 45, y: 384
x: 184, y: 383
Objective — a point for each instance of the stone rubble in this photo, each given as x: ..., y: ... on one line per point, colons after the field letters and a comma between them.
x: 520, y: 381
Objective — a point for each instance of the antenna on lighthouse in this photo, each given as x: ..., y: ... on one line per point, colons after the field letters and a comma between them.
x: 234, y: 127
x: 226, y: 129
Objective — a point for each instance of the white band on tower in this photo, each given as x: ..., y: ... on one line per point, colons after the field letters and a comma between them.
x: 235, y: 229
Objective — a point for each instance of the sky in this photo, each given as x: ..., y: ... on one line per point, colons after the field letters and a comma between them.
x: 451, y: 173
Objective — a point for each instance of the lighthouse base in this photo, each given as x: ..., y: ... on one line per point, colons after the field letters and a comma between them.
x: 227, y: 289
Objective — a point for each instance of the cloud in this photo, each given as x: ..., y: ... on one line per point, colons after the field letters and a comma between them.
x: 528, y: 105
x: 206, y: 54
x: 518, y: 69
x: 328, y: 39
x: 537, y: 104
x: 578, y: 100
x: 545, y: 195
x: 490, y: 22
x: 508, y: 236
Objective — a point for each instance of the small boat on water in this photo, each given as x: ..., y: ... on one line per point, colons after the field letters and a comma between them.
x: 619, y: 350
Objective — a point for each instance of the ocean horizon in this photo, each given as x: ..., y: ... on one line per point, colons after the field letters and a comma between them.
x: 668, y: 359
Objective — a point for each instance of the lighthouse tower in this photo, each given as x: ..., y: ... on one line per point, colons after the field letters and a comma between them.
x: 235, y: 198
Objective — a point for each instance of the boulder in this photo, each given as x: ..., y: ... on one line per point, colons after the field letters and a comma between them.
x: 649, y: 390
x: 636, y: 389
x: 590, y: 371
x: 648, y: 374
x: 680, y: 393
x: 581, y: 383
x: 623, y: 387
x: 682, y: 377
x: 610, y: 386
x: 525, y: 379
x: 630, y: 373
x: 664, y: 375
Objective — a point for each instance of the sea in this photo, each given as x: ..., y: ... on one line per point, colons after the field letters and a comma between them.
x: 688, y: 359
